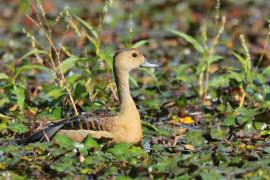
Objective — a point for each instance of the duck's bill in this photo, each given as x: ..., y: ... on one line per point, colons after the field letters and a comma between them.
x: 150, y: 65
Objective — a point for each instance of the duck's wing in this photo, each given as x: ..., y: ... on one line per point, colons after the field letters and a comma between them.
x: 82, y: 122
x: 89, y: 122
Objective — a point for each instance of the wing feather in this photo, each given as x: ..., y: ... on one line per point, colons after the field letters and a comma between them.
x: 81, y: 122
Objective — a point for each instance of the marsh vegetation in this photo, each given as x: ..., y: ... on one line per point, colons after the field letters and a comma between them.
x: 205, y: 113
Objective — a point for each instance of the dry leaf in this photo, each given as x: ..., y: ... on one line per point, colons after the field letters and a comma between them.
x: 13, y: 108
x: 180, y: 131
x: 81, y: 158
x: 189, y: 147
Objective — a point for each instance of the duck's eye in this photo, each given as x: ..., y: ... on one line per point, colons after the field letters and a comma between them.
x: 134, y: 55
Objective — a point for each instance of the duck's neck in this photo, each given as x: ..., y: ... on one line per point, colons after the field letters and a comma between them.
x: 127, y: 105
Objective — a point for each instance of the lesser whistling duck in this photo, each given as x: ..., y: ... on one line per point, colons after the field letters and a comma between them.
x: 124, y: 127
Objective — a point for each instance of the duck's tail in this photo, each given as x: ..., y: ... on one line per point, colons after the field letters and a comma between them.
x: 43, y: 135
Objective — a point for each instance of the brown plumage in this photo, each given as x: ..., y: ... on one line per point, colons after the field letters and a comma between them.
x: 124, y: 127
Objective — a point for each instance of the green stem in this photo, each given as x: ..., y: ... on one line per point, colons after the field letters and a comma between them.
x: 206, y: 81
x: 200, y: 84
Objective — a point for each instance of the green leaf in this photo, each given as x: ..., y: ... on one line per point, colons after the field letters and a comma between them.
x: 260, y: 125
x: 17, y: 127
x: 55, y: 93
x: 189, y: 39
x: 265, y: 132
x: 195, y: 138
x: 69, y: 63
x: 79, y: 90
x: 35, y: 51
x: 20, y: 95
x: 246, y: 64
x: 121, y: 150
x: 29, y: 67
x: 140, y: 43
x: 152, y: 103
x: 123, y: 178
x: 229, y: 121
x: 211, y: 174
x: 236, y: 76
x: 267, y: 97
x: 62, y: 140
x: 219, y: 81
x: 245, y: 114
x: 4, y: 117
x: 133, y: 82
x: 3, y: 76
x: 267, y: 149
x: 219, y: 133
x: 56, y: 114
x: 150, y: 126
x: 90, y: 142
x: 242, y: 60
x: 3, y: 126
x: 87, y: 26
x: 213, y: 58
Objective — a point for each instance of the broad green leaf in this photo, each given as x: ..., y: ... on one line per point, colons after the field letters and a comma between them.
x: 245, y: 115
x: 211, y: 174
x: 4, y: 120
x: 165, y: 164
x: 266, y: 71
x: 229, y: 121
x: 184, y: 72
x: 219, y: 133
x: 79, y: 90
x: 56, y: 114
x: 20, y: 95
x: 90, y: 142
x: 267, y: 149
x: 189, y: 39
x: 63, y: 164
x: 265, y: 132
x: 123, y: 178
x: 55, y: 93
x: 4, y: 117
x: 29, y: 67
x: 236, y: 76
x: 152, y: 103
x: 195, y: 138
x: 219, y: 81
x: 3, y: 76
x: 260, y: 125
x: 17, y: 127
x: 107, y: 55
x: 63, y: 141
x: 121, y: 150
x: 72, y: 78
x: 3, y: 126
x: 267, y: 97
x: 213, y: 58
x: 69, y: 63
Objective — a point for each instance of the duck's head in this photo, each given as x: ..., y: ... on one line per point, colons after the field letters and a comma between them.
x: 128, y: 59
